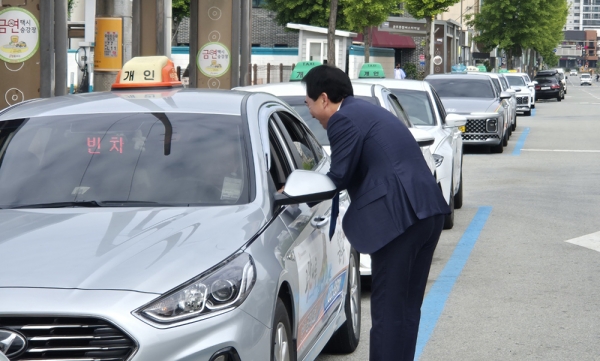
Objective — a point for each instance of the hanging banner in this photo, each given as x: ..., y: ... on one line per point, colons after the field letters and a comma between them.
x: 19, y: 35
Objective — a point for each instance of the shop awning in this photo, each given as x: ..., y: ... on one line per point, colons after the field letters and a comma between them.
x: 384, y: 39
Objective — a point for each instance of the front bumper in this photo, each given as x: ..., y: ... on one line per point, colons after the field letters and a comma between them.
x: 197, y: 341
x: 479, y: 132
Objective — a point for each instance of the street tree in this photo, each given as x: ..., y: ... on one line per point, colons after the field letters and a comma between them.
x: 428, y: 10
x: 516, y: 26
x: 362, y: 15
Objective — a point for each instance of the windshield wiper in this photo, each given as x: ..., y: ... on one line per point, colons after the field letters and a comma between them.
x: 59, y: 205
x: 87, y: 204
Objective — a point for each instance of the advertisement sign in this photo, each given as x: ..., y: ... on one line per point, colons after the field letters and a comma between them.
x: 214, y: 59
x: 19, y: 35
x: 108, y: 54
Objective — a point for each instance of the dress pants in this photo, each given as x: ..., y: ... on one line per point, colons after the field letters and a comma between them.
x: 399, y: 273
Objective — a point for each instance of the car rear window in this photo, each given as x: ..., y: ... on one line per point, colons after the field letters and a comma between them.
x: 462, y: 88
x: 417, y: 105
x: 546, y: 80
x: 515, y: 80
x: 172, y: 159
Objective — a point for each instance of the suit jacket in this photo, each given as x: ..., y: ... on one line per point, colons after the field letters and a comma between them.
x: 375, y: 157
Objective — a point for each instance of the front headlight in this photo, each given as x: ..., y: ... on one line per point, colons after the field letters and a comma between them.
x: 438, y: 159
x: 219, y: 291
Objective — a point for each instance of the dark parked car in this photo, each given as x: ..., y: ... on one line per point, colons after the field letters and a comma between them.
x: 548, y: 87
x: 560, y: 77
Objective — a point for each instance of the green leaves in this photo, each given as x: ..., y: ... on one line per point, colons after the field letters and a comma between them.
x: 514, y: 25
x: 421, y: 9
x: 363, y: 13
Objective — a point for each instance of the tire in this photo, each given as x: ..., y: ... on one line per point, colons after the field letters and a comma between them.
x: 533, y: 106
x: 449, y: 218
x: 559, y: 97
x: 514, y: 126
x: 282, y: 344
x: 505, y: 138
x: 458, y: 197
x: 528, y: 113
x: 345, y: 339
x: 562, y: 96
x: 497, y: 148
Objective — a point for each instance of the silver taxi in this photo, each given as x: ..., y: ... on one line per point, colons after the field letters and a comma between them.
x: 144, y: 224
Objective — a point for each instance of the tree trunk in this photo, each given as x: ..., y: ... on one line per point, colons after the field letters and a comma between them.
x: 509, y: 59
x: 428, y: 40
x: 331, y: 32
x: 367, y: 39
x: 531, y: 62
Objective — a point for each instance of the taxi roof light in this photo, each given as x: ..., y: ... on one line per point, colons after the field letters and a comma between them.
x: 301, y: 69
x: 147, y: 72
x: 371, y: 70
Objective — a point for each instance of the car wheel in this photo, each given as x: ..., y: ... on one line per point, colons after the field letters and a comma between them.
x: 514, y: 125
x: 345, y: 339
x: 282, y: 346
x: 559, y: 97
x: 449, y: 218
x: 562, y: 96
x: 528, y: 113
x: 458, y: 197
x: 505, y: 138
x: 533, y: 105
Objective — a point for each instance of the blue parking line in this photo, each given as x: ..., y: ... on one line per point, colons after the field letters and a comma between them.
x: 533, y: 112
x: 434, y: 303
x: 520, y: 142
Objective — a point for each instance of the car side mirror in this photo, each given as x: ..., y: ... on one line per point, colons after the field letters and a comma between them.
x: 517, y: 89
x: 305, y: 186
x: 423, y: 138
x: 505, y: 95
x: 534, y: 83
x: 455, y: 120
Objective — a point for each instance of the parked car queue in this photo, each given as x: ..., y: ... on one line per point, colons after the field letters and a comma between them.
x: 166, y: 200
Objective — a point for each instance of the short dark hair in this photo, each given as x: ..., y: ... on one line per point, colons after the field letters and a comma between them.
x: 329, y: 80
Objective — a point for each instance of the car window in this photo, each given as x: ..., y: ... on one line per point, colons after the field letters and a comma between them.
x: 440, y: 106
x: 280, y: 157
x: 417, y: 105
x: 504, y: 83
x: 398, y: 110
x: 320, y: 133
x: 515, y: 80
x: 308, y: 150
x: 546, y: 80
x: 174, y: 159
x: 463, y: 88
x: 497, y: 85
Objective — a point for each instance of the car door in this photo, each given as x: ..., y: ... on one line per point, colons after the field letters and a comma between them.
x: 320, y: 263
x: 456, y: 139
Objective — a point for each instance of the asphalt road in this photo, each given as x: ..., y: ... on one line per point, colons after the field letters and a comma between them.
x: 505, y: 284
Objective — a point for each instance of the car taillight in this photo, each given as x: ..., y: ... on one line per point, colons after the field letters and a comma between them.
x: 538, y: 87
x: 555, y: 86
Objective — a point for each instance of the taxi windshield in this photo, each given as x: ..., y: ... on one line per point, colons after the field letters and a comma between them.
x: 297, y: 102
x: 515, y: 81
x: 133, y: 159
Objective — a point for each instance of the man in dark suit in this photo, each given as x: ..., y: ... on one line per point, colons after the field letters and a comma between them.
x: 396, y: 212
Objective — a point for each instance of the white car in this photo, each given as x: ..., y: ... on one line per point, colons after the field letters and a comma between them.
x: 427, y: 112
x: 502, y: 85
x: 573, y: 72
x: 585, y: 79
x: 294, y: 93
x: 526, y: 98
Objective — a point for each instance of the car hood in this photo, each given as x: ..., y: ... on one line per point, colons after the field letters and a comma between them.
x: 470, y: 105
x: 139, y: 249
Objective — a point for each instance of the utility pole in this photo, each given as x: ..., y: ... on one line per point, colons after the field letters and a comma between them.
x: 112, y: 9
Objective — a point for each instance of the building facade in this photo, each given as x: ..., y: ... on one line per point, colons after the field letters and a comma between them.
x: 583, y: 15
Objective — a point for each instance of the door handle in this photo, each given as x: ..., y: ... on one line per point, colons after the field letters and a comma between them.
x: 319, y: 221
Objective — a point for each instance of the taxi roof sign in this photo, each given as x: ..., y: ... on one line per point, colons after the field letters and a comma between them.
x: 301, y: 69
x: 371, y: 70
x: 147, y: 72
